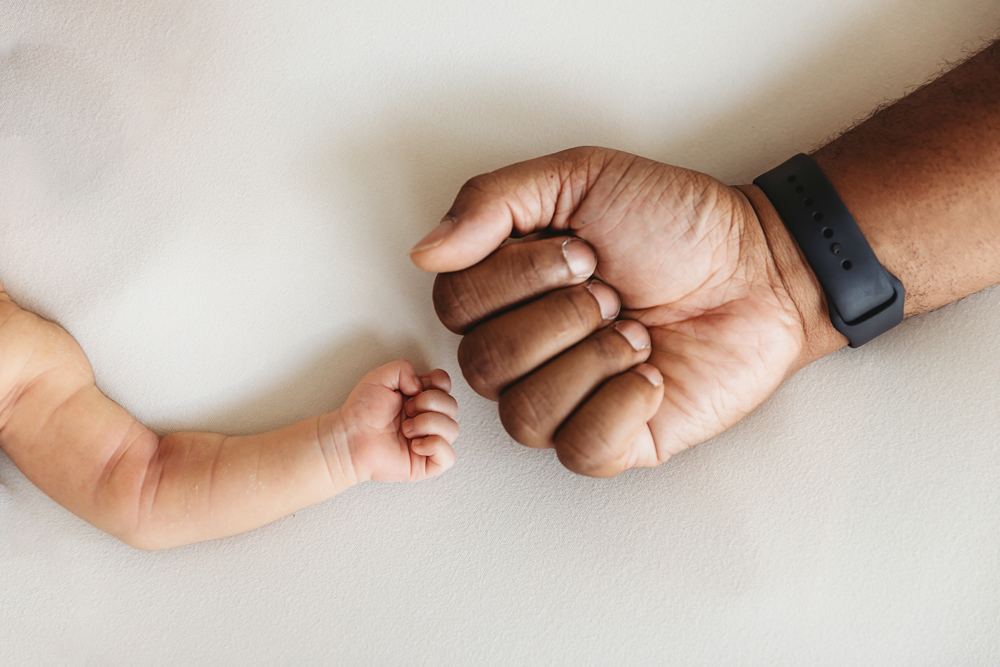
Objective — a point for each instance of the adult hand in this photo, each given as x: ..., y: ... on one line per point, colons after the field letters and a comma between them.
x: 655, y: 318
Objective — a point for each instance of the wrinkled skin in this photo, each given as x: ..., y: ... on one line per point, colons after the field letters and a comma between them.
x: 690, y: 262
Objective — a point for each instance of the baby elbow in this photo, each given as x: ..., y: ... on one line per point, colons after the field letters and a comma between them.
x: 137, y: 541
x: 119, y: 520
x: 146, y: 540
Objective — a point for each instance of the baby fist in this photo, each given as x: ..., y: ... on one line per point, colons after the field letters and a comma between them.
x: 399, y: 426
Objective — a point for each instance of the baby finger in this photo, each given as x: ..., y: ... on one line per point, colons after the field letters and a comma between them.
x: 433, y: 400
x: 440, y: 455
x: 431, y: 423
x: 436, y: 379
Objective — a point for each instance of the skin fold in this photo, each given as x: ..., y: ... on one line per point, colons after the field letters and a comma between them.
x: 93, y: 458
x: 723, y: 328
x: 644, y: 309
x: 729, y: 305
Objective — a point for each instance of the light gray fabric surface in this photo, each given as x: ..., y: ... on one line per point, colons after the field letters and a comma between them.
x: 216, y: 199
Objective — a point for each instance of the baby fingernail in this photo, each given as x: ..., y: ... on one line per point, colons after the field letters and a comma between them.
x: 437, y: 235
x: 408, y: 427
x: 411, y: 406
x: 579, y: 256
x: 606, y: 299
x: 634, y: 333
x: 650, y: 373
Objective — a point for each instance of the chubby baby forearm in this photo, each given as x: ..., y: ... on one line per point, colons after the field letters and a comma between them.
x: 92, y: 457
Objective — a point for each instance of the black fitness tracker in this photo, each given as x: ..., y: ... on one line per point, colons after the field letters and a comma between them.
x: 865, y: 300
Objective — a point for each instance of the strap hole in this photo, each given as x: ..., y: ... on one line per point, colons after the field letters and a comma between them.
x: 800, y: 189
x: 846, y: 264
x: 791, y: 179
x: 817, y: 216
x: 827, y: 232
x: 835, y: 248
x: 807, y: 202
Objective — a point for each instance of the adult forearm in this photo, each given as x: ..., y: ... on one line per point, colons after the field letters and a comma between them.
x: 922, y: 179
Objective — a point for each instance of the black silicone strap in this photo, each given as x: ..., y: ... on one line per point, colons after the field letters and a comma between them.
x: 865, y: 300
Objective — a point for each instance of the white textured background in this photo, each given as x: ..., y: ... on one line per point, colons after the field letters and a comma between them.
x: 216, y: 199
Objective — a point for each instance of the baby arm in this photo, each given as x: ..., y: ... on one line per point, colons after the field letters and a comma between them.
x: 93, y: 458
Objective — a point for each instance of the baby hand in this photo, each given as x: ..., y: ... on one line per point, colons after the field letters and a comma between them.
x: 399, y: 426
x: 156, y: 492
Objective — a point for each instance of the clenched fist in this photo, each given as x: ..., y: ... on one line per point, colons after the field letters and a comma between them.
x: 644, y: 314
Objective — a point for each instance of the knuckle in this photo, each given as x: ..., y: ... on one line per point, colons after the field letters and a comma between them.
x: 423, y: 422
x: 611, y: 350
x: 508, y: 276
x: 480, y: 363
x: 539, y: 264
x: 427, y: 401
x: 575, y: 308
x: 578, y: 154
x: 479, y: 183
x: 522, y: 418
x: 456, y: 301
x: 584, y: 158
x: 583, y: 458
x: 479, y: 188
x: 448, y: 429
x: 463, y: 298
x: 589, y: 455
x: 439, y: 381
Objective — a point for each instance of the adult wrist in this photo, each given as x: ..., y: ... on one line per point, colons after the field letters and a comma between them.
x: 798, y: 279
x: 876, y: 213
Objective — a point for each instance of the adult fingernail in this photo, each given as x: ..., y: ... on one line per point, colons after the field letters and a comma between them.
x: 634, y: 333
x: 437, y: 235
x: 579, y: 256
x: 650, y: 373
x: 607, y: 299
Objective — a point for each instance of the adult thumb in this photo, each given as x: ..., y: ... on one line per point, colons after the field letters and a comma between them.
x: 522, y: 198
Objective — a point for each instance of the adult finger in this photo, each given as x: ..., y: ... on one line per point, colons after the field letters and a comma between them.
x: 499, y: 351
x: 597, y: 440
x: 521, y: 198
x: 532, y: 409
x: 511, y: 275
